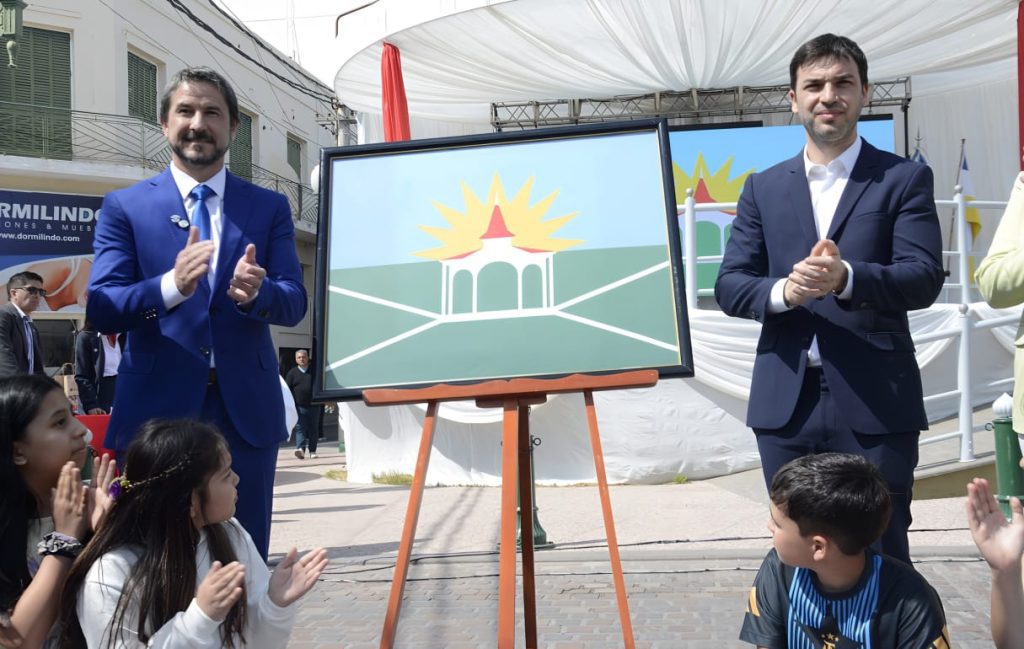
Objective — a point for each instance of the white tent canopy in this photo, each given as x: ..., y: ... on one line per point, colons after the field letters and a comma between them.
x: 459, y: 56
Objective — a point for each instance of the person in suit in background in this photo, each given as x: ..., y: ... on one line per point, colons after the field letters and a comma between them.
x: 96, y: 359
x: 829, y: 250
x: 194, y: 265
x: 307, y: 429
x: 20, y: 351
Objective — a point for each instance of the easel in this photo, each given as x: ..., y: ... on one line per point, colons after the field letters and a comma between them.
x: 514, y: 396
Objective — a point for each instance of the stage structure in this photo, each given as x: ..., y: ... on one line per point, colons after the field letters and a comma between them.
x: 501, y: 269
x: 743, y: 102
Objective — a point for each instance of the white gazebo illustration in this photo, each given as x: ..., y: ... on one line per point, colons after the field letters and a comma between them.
x: 497, y: 247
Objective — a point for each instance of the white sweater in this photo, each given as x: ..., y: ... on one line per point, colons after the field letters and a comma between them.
x: 267, y: 625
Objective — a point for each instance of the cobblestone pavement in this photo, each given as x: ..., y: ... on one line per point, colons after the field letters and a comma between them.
x: 681, y: 593
x: 673, y: 604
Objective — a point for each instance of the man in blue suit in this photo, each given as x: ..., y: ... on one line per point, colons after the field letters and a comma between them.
x: 829, y: 250
x: 195, y: 264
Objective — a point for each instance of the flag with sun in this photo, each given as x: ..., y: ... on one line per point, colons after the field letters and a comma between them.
x: 498, y: 257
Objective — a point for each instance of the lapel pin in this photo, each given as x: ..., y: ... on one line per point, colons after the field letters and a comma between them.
x: 180, y: 221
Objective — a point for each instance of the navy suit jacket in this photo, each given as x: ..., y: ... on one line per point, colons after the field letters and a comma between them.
x: 166, y: 360
x: 13, y: 356
x: 887, y: 229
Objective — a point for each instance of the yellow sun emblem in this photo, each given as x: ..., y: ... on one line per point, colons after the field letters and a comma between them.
x: 708, y: 187
x: 523, y: 221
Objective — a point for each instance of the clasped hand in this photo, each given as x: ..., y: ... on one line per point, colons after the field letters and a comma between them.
x: 820, y: 273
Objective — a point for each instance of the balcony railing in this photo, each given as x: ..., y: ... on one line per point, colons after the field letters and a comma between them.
x: 62, y: 134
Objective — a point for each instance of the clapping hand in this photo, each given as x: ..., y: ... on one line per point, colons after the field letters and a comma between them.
x: 192, y: 263
x: 248, y: 277
x: 70, y: 515
x: 820, y: 273
x: 220, y: 589
x: 1001, y: 542
x: 294, y: 578
x: 99, y: 501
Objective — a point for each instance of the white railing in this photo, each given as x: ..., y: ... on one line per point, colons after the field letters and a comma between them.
x: 967, y: 323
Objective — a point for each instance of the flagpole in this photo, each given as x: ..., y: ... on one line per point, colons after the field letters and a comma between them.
x: 952, y: 221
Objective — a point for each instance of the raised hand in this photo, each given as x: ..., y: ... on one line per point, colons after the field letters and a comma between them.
x: 248, y: 277
x: 192, y: 263
x: 99, y: 501
x: 1001, y: 542
x: 69, y: 503
x: 220, y: 589
x: 294, y: 578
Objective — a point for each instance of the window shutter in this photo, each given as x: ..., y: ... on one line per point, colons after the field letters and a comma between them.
x: 41, y: 81
x: 241, y: 149
x: 295, y: 156
x: 141, y: 88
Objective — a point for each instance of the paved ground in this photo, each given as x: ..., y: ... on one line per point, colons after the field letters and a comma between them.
x: 689, y: 552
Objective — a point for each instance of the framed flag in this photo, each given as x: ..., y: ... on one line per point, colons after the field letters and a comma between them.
x: 533, y: 254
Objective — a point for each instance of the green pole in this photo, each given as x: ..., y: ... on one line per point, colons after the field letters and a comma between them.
x: 540, y: 536
x: 1009, y: 477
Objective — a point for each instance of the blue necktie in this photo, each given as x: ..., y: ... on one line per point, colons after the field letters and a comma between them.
x: 30, y: 345
x: 200, y: 214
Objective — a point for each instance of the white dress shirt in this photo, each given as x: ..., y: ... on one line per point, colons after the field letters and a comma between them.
x: 826, y: 184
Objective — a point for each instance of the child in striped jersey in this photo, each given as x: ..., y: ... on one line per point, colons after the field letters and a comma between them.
x: 822, y: 585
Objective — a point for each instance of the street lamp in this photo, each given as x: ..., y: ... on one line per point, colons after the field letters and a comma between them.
x: 10, y: 26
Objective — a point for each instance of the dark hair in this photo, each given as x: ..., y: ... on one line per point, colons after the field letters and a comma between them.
x: 20, y: 399
x: 837, y: 495
x: 199, y: 75
x: 828, y: 47
x: 166, y: 462
x: 21, y: 279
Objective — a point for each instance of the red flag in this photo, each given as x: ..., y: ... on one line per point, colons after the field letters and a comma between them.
x: 394, y: 104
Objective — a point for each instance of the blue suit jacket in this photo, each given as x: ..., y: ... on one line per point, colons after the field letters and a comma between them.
x: 887, y: 229
x: 166, y: 360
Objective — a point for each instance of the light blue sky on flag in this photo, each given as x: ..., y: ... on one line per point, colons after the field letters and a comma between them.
x: 757, y: 147
x: 614, y: 181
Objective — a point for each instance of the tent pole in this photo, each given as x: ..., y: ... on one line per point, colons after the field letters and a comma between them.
x: 1020, y: 79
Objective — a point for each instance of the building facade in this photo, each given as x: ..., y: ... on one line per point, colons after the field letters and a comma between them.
x: 79, y: 117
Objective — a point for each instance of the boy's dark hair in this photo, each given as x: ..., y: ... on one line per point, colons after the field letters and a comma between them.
x: 19, y: 280
x: 828, y: 47
x: 20, y: 398
x: 837, y: 495
x: 164, y: 464
x: 200, y: 75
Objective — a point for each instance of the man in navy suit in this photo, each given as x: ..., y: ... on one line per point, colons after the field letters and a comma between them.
x: 195, y: 264
x: 829, y: 250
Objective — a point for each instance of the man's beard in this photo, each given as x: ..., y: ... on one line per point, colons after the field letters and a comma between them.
x: 195, y: 159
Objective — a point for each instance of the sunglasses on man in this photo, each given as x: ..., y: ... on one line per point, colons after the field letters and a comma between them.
x: 32, y: 290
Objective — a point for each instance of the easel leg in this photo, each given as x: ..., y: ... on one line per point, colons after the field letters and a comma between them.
x: 526, y: 528
x: 507, y: 553
x: 609, y: 522
x: 412, y: 514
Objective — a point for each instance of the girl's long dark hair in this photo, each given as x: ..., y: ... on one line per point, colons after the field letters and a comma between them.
x: 20, y: 398
x: 165, y: 463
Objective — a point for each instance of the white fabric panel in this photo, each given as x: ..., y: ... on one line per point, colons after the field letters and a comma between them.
x: 455, y: 66
x: 691, y: 426
x: 370, y: 128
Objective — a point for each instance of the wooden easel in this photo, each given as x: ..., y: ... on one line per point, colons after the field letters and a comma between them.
x: 514, y: 396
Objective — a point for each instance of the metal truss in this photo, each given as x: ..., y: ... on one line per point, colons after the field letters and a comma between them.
x: 685, y: 107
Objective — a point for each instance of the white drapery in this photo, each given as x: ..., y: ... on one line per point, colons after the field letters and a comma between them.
x: 692, y: 427
x: 460, y: 56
